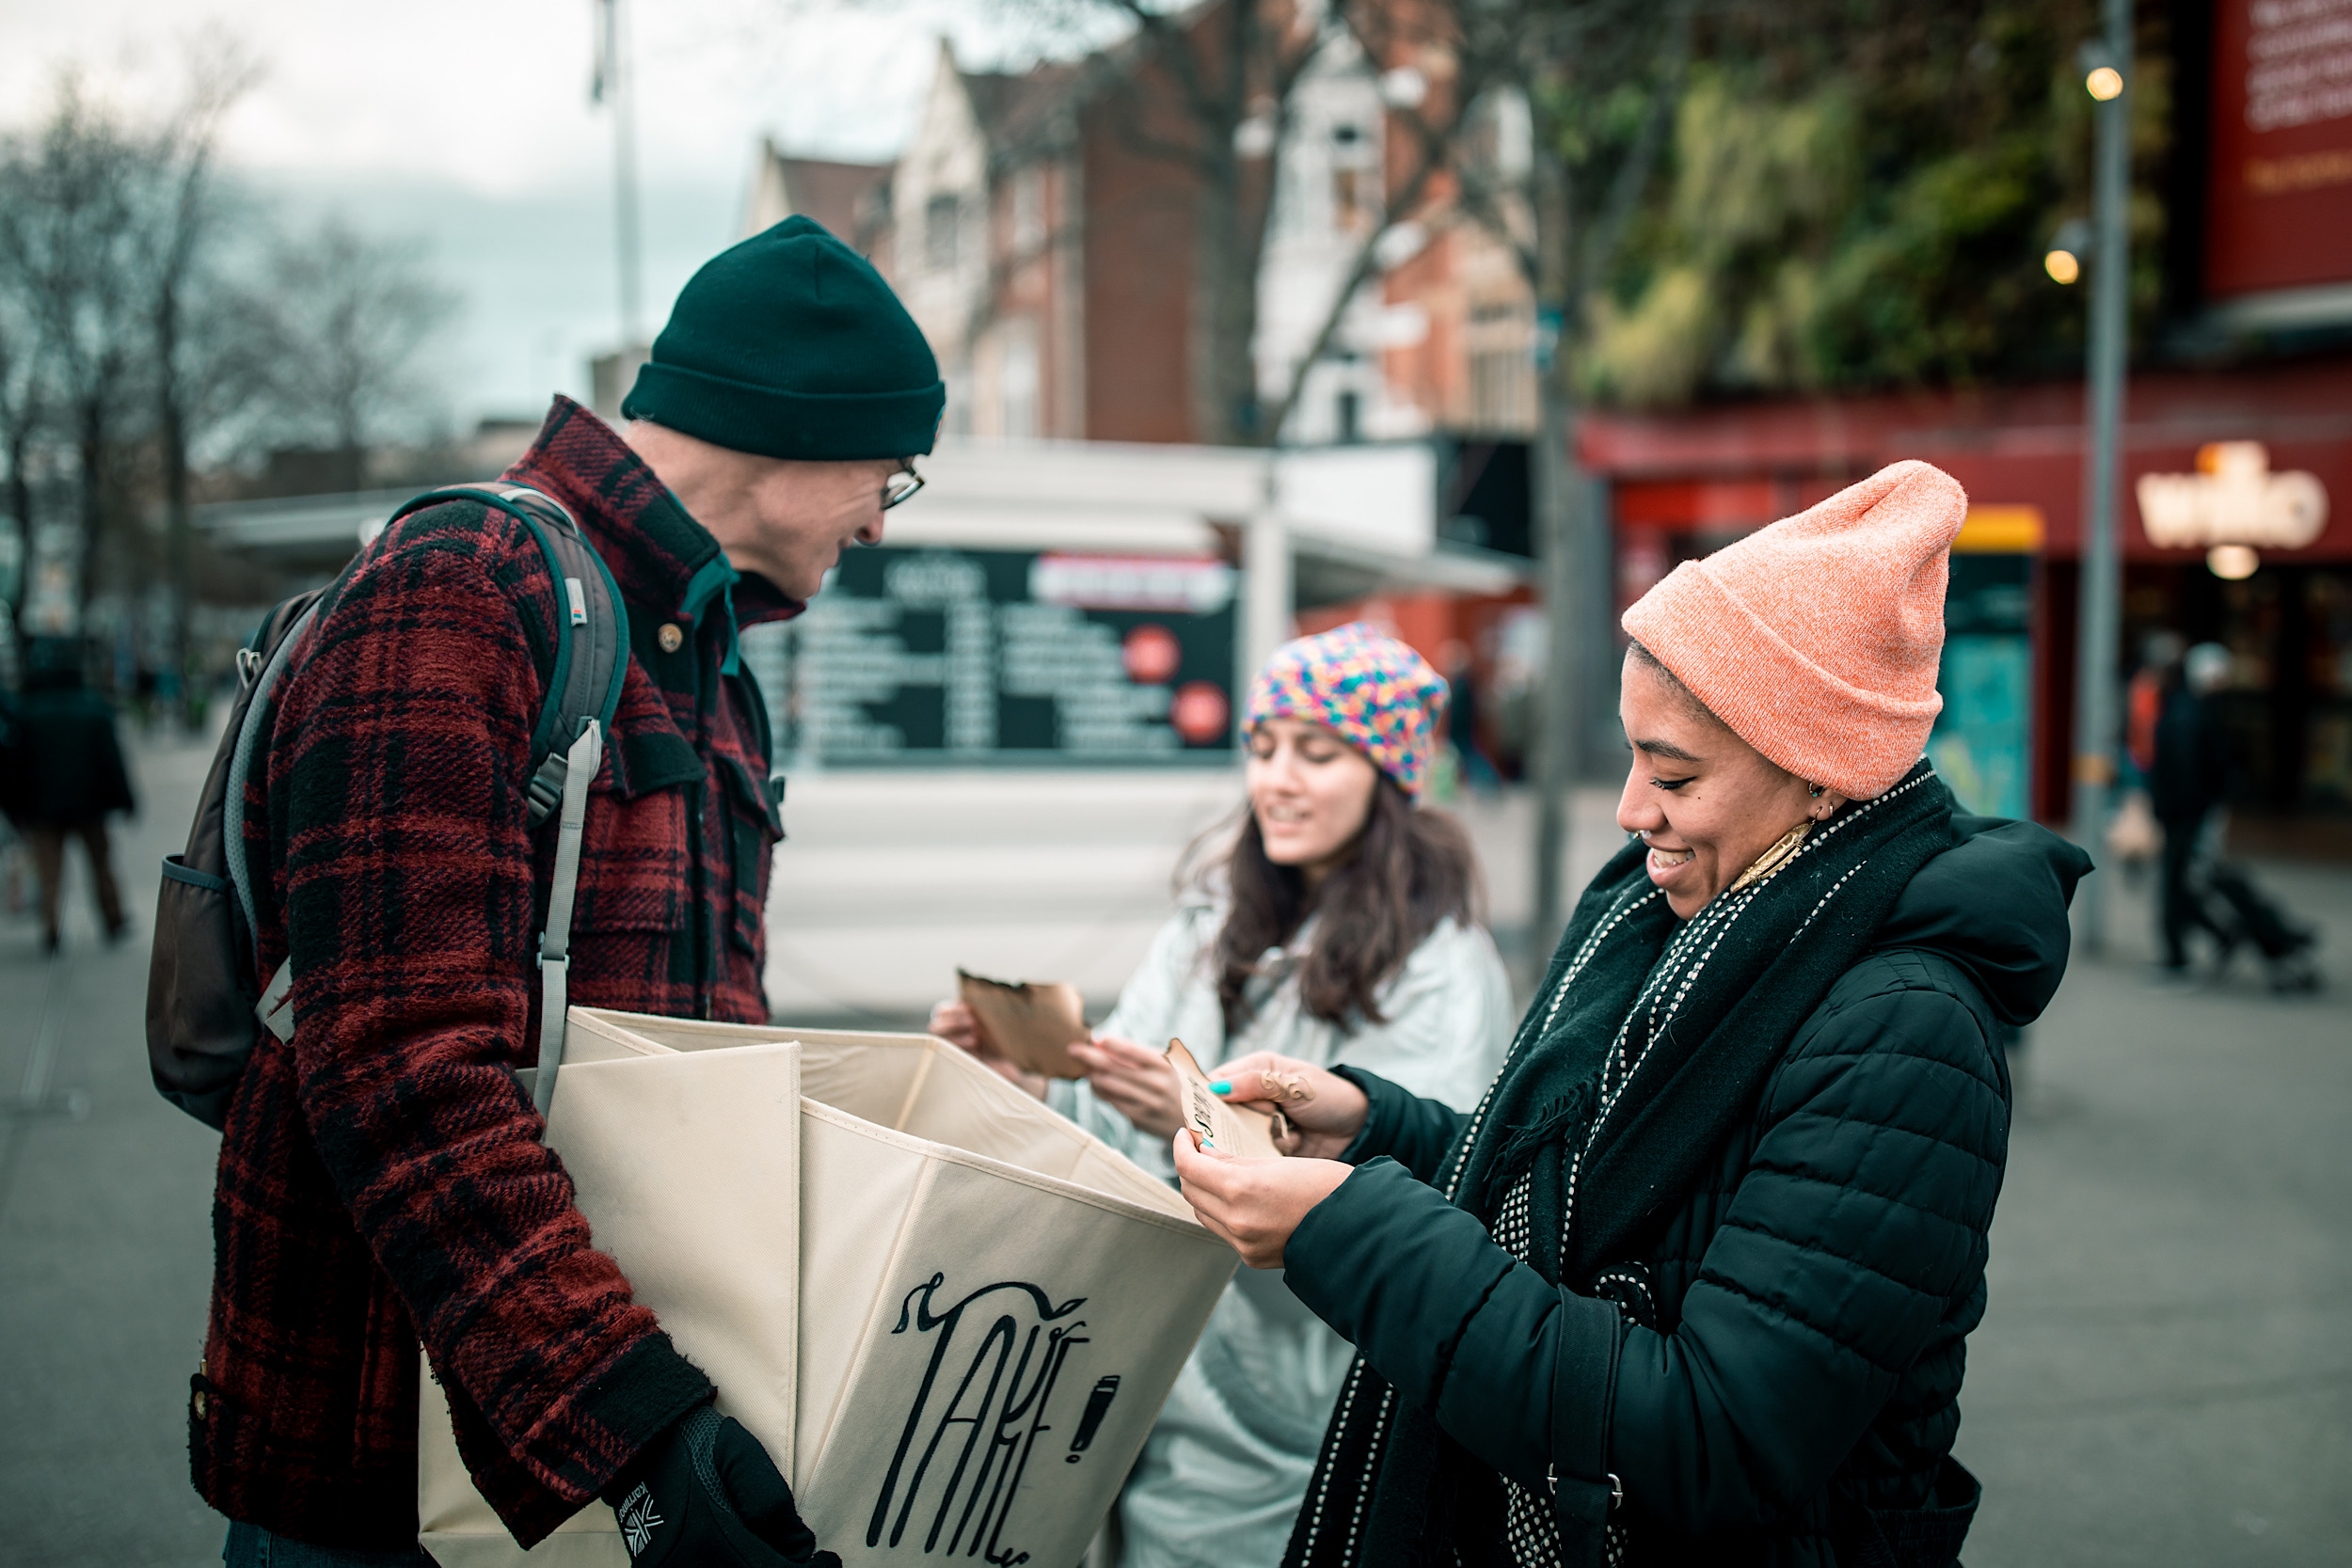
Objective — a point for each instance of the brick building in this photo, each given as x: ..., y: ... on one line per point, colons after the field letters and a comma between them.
x: 1052, y: 253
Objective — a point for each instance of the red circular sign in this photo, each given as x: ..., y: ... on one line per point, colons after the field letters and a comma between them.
x: 1199, y: 712
x: 1151, y: 655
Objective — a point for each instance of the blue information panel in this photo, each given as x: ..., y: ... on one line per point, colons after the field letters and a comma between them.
x: 977, y: 657
x: 1982, y: 740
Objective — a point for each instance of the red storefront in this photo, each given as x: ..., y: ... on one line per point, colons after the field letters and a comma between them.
x: 1685, y: 483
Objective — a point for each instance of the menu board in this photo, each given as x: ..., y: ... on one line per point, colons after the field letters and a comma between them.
x: 914, y: 656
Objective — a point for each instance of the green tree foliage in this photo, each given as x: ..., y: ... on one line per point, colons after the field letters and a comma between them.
x: 1861, y: 195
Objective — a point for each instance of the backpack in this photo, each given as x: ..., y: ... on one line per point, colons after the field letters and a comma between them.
x: 203, y: 1017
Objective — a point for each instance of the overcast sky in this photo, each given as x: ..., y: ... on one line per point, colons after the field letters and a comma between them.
x: 468, y: 122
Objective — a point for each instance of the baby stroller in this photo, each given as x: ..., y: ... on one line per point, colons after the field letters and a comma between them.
x: 2285, y: 944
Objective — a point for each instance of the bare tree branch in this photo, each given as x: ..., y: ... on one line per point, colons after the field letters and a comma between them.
x: 222, y: 71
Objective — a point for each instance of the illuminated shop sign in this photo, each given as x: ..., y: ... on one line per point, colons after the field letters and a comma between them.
x: 2232, y: 498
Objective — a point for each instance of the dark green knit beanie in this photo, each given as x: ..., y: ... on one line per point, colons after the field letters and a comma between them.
x: 790, y: 345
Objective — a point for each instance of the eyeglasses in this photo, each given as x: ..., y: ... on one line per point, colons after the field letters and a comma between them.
x: 901, y: 485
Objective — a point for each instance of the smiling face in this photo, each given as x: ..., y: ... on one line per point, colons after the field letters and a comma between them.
x: 1706, y: 801
x: 1310, y: 793
x: 785, y: 521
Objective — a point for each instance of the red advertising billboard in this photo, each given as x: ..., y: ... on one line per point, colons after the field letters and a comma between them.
x: 2279, y: 200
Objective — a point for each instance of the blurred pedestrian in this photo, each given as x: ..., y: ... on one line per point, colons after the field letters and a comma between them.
x: 2159, y: 672
x: 1695, y: 1283
x: 1461, y: 718
x: 1340, y: 928
x: 12, y: 899
x: 2187, y: 774
x: 65, y: 777
x: 384, y: 1180
x: 2202, y: 891
x: 2133, y: 840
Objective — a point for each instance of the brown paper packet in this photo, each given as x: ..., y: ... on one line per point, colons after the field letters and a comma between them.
x: 1230, y: 1129
x: 1034, y: 1023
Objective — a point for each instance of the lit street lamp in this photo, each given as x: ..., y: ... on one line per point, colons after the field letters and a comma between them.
x: 2233, y: 562
x: 2068, y: 247
x: 2107, y: 77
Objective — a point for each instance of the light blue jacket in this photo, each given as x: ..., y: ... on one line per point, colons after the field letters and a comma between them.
x: 1221, y: 1478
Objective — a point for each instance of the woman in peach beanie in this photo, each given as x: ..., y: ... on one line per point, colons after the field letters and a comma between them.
x: 1692, y: 1283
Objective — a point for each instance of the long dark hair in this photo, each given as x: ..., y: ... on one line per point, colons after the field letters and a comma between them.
x: 1407, y: 870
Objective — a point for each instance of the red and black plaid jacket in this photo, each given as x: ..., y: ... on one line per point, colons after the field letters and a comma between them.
x: 382, y: 1179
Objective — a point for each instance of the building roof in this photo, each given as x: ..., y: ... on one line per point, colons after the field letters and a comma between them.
x: 1024, y: 113
x: 840, y: 195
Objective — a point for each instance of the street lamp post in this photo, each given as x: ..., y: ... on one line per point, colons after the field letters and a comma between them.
x: 2097, y: 622
x: 616, y: 86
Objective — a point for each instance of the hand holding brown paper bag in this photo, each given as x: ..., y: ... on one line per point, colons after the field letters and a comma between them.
x: 1242, y: 1131
x: 1031, y: 1024
x: 1321, y: 1111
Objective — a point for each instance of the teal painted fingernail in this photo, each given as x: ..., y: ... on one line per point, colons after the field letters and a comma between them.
x: 1220, y: 1087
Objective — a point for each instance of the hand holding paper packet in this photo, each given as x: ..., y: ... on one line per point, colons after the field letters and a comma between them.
x: 1216, y: 1123
x: 1254, y: 1202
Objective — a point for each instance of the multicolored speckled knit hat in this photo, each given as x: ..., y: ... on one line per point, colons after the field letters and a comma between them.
x: 1372, y: 691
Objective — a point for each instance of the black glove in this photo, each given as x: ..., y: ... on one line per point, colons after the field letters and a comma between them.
x: 706, y: 1494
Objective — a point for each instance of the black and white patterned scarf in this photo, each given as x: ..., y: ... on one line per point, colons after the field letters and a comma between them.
x: 1650, y: 1040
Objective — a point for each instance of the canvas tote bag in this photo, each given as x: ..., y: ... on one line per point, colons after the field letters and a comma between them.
x: 988, y: 1311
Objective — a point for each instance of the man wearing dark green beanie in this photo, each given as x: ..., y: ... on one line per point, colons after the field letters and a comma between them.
x: 383, y: 1182
x: 789, y: 386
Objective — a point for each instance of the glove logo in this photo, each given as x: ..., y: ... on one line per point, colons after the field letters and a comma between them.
x: 977, y: 1415
x: 638, y: 1521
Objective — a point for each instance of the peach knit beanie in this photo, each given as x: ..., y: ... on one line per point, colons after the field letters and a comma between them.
x: 1816, y: 639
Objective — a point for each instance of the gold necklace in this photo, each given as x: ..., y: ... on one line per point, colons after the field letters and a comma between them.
x: 1774, y: 857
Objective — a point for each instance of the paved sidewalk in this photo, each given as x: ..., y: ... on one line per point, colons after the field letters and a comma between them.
x: 2165, y: 1374
x: 105, y: 1245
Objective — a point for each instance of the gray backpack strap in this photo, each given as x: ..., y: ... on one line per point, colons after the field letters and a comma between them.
x: 591, y: 645
x: 592, y: 660
x: 272, y: 1010
x: 241, y: 765
x: 555, y: 944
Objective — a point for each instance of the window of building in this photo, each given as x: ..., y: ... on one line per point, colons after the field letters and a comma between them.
x: 943, y: 217
x: 1348, y: 415
x: 1502, y: 390
x: 1028, y: 212
x: 1017, y: 381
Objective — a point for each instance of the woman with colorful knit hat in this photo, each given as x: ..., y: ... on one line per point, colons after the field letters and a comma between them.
x: 1692, y: 1283
x: 1339, y: 925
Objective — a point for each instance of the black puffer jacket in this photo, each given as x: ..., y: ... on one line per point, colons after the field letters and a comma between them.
x: 1772, y: 1372
x: 63, y: 762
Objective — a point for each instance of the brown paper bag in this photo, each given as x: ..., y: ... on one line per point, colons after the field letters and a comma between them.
x: 1242, y: 1129
x: 1033, y: 1023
